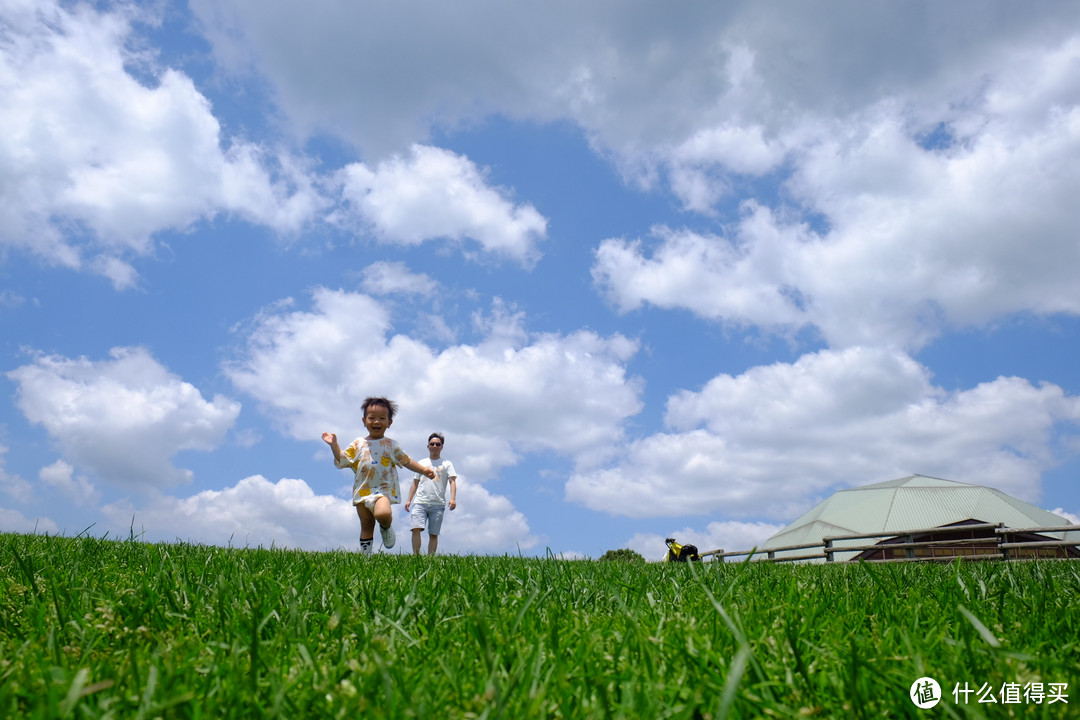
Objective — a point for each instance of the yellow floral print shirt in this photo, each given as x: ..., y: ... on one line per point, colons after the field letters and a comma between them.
x: 375, y: 464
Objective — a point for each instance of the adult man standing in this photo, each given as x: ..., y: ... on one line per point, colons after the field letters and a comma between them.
x: 430, y: 495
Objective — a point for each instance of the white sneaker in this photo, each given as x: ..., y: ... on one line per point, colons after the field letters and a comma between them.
x: 388, y: 538
x: 365, y: 547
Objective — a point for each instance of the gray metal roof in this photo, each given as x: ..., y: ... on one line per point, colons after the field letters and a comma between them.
x: 911, y: 503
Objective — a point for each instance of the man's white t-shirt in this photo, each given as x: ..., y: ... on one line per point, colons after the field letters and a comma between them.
x: 433, y: 492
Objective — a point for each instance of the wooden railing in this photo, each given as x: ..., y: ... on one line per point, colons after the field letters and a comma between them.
x: 1003, y: 544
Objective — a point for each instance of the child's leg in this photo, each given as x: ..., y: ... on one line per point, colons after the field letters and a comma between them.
x: 384, y: 512
x: 367, y: 522
x: 416, y: 541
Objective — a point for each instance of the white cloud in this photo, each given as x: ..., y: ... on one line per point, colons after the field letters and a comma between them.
x: 13, y: 486
x: 700, y: 169
x: 288, y: 513
x: 14, y: 521
x: 435, y: 194
x: 771, y: 441
x: 481, y: 523
x: 1071, y: 517
x: 388, y: 278
x: 94, y: 162
x: 740, y: 149
x: 246, y: 438
x: 122, y: 418
x: 721, y: 82
x: 919, y: 237
x: 383, y: 76
x: 11, y: 300
x: 252, y: 512
x: 495, y: 399
x: 715, y: 277
x: 75, y: 490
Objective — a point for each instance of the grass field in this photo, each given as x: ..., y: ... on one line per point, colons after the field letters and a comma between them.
x: 93, y: 628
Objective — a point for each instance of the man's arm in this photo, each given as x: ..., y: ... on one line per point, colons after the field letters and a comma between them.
x: 412, y: 492
x: 453, y: 491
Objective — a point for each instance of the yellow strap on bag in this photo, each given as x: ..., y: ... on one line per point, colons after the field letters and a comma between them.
x: 673, y: 550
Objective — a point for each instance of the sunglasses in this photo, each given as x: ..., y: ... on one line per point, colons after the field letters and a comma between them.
x: 435, y: 444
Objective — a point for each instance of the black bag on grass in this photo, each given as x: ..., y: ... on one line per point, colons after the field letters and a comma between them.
x: 681, y: 553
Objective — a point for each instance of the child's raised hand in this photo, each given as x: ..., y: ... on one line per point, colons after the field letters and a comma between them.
x: 329, y: 437
x: 430, y: 472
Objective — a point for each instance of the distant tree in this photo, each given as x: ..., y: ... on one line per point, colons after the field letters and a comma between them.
x: 623, y: 554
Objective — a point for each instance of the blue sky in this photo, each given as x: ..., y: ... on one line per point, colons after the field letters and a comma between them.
x: 651, y: 273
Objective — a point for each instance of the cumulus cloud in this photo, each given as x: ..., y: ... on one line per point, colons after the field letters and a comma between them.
x: 289, y: 513
x: 13, y: 486
x: 927, y: 183
x: 771, y: 441
x: 732, y: 85
x: 919, y: 236
x: 121, y: 418
x: 61, y: 479
x: 654, y: 91
x: 15, y: 521
x: 1071, y: 517
x: 435, y: 193
x: 385, y: 76
x: 495, y: 398
x: 482, y: 523
x: 701, y: 169
x: 94, y: 160
x: 11, y: 300
x: 744, y: 283
x: 388, y: 278
x: 252, y: 512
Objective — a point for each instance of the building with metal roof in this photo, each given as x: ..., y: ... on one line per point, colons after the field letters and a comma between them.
x: 917, y: 502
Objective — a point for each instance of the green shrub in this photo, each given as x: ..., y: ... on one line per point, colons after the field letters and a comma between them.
x: 623, y: 554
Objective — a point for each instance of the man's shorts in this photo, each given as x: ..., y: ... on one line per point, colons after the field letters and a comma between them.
x: 432, y: 514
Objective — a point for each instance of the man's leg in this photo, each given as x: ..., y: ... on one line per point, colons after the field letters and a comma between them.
x: 418, y: 518
x: 434, y: 526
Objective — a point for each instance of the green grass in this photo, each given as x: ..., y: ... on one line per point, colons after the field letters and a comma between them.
x: 95, y: 628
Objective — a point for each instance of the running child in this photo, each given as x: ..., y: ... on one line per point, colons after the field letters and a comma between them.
x: 374, y: 461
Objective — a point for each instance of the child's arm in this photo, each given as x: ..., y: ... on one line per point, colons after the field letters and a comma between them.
x: 331, y: 439
x: 420, y: 469
x: 412, y: 492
